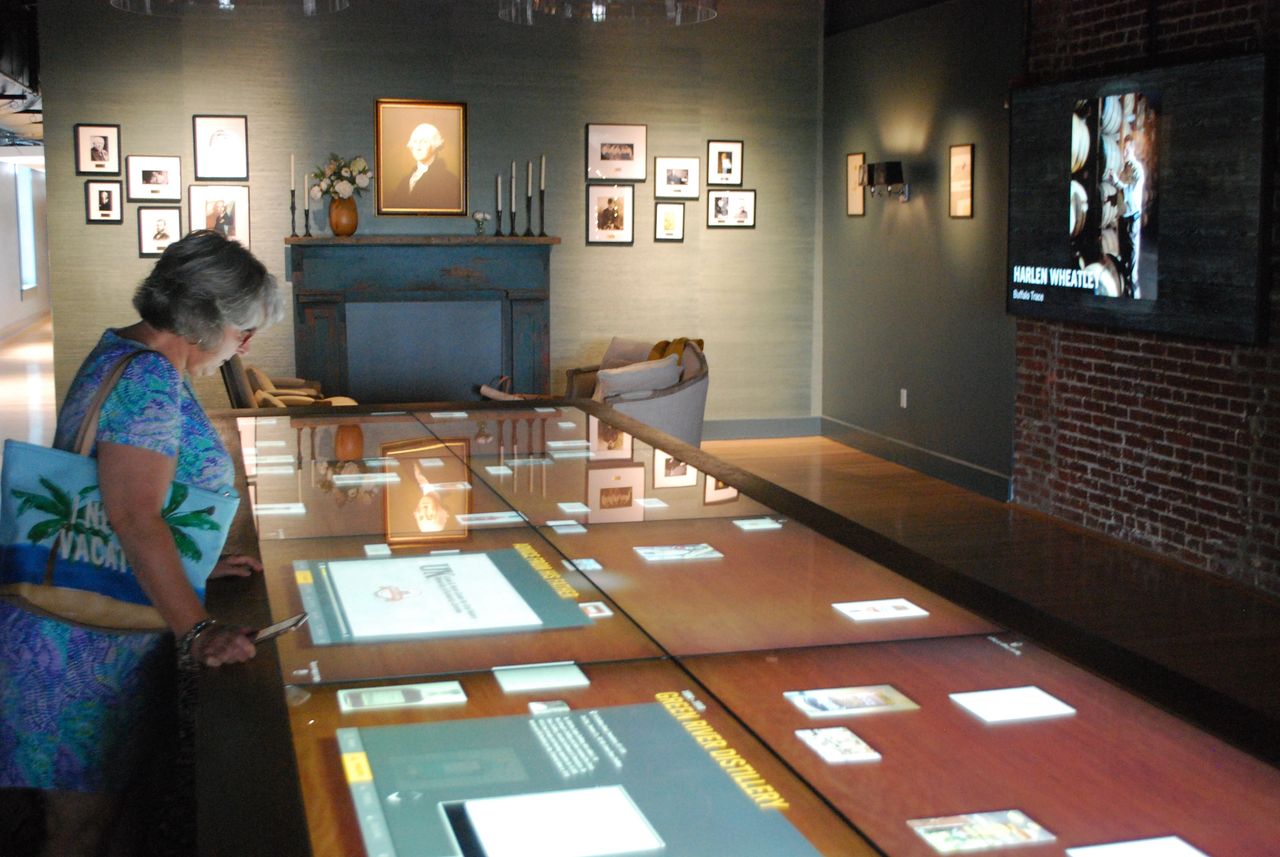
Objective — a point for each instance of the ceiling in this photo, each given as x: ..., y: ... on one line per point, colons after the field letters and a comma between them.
x: 21, y: 108
x: 21, y: 111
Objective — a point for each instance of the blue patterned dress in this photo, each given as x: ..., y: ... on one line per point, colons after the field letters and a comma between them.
x: 73, y: 702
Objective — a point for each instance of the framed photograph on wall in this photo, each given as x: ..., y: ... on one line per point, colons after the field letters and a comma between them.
x: 617, y: 152
x: 731, y: 208
x: 158, y: 227
x: 604, y: 441
x: 855, y: 193
x: 423, y: 505
x: 718, y: 492
x: 677, y: 178
x: 668, y: 221
x: 724, y: 162
x: 97, y: 150
x: 103, y: 202
x: 154, y: 178
x: 221, y: 208
x: 614, y: 492
x: 421, y: 149
x: 669, y: 472
x: 611, y: 214
x: 961, y: 181
x: 221, y: 146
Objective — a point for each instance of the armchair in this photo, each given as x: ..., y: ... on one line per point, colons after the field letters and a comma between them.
x: 675, y: 407
x: 250, y: 387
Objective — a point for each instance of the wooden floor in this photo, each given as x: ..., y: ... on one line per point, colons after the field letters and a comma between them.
x: 1205, y: 647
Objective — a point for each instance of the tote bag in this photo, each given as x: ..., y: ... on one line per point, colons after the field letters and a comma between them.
x: 59, y: 555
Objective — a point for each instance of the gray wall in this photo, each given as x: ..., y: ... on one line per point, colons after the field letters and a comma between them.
x: 19, y: 308
x: 912, y: 298
x: 308, y: 88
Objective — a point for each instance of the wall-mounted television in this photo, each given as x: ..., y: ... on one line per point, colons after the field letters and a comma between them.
x: 1142, y: 200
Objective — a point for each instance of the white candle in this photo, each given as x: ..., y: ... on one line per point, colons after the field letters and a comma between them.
x: 306, y: 197
x: 498, y: 180
x: 528, y: 182
x: 542, y: 174
x: 292, y: 179
x: 513, y: 185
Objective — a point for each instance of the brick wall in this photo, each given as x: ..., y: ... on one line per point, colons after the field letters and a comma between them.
x: 1169, y: 444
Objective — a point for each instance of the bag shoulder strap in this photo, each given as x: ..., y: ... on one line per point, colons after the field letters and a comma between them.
x: 88, y: 432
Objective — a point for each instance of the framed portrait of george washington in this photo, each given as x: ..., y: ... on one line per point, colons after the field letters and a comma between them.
x: 421, y: 149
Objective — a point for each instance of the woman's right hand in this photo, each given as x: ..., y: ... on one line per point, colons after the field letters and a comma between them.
x: 223, y: 644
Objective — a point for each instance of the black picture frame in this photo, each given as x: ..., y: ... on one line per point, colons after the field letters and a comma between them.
x: 220, y: 146
x: 725, y: 163
x: 668, y: 221
x: 611, y: 214
x: 154, y: 178
x: 150, y: 218
x: 91, y: 159
x: 617, y: 152
x: 94, y: 211
x: 738, y: 212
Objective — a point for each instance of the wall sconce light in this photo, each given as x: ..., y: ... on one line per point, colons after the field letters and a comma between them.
x: 884, y: 178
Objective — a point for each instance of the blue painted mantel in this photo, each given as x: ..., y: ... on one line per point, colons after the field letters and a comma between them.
x: 416, y: 318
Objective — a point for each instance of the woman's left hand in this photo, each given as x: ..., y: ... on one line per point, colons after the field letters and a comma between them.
x: 236, y: 565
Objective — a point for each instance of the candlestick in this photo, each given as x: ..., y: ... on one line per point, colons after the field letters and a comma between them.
x: 528, y: 215
x: 542, y: 174
x: 292, y: 178
x: 293, y: 213
x: 528, y: 181
x: 542, y: 213
x: 513, y: 220
x: 306, y: 223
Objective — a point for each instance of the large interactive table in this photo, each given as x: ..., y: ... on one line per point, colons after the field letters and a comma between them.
x: 541, y: 629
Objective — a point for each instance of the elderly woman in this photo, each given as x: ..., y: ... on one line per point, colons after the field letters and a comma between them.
x: 75, y: 702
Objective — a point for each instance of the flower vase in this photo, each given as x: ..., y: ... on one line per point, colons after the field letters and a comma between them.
x: 343, y: 217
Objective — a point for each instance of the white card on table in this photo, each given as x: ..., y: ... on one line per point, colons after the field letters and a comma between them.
x: 1011, y: 704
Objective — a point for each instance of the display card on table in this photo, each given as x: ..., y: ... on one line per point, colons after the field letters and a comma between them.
x: 441, y: 595
x: 1011, y: 704
x: 849, y: 701
x: 978, y: 831
x: 607, y: 781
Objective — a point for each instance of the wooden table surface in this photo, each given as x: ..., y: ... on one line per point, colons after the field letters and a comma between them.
x: 1116, y: 770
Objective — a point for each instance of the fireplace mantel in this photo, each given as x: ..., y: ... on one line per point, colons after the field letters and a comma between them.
x: 455, y: 310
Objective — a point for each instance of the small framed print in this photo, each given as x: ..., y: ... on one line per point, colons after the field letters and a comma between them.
x: 668, y: 221
x: 617, y: 152
x: 718, y: 492
x: 221, y: 208
x: 961, y: 197
x: 431, y: 499
x: 731, y: 208
x: 614, y: 492
x: 97, y: 150
x: 724, y: 162
x: 221, y: 145
x: 676, y: 178
x: 605, y: 441
x: 855, y: 193
x: 610, y: 214
x: 154, y: 178
x: 103, y: 202
x: 158, y: 227
x: 671, y: 472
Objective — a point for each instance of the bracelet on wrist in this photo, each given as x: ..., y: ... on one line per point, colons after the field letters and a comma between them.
x: 187, y: 642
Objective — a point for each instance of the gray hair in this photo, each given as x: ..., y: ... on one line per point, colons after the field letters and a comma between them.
x: 204, y: 282
x: 428, y: 133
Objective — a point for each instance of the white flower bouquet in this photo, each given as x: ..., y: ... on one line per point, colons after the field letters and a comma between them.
x: 340, y: 178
